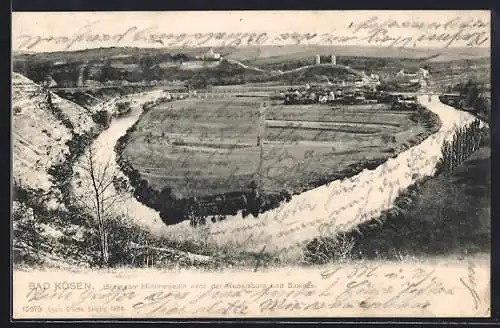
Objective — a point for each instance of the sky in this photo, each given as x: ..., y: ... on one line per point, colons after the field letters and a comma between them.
x: 65, y: 27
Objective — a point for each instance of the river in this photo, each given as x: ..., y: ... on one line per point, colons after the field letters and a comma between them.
x: 338, y: 206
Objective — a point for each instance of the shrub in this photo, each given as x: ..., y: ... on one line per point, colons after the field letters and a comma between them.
x: 102, y: 117
x: 329, y: 249
x: 27, y: 234
x: 465, y: 141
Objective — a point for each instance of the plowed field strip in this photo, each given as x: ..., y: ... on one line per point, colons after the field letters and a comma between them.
x: 354, y: 123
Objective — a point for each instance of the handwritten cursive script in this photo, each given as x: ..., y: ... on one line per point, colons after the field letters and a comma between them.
x: 339, y: 287
x: 373, y: 31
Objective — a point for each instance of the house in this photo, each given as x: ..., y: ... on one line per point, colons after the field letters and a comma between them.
x: 413, y: 77
x: 348, y: 93
x: 423, y: 73
x: 403, y: 101
x: 211, y: 55
x: 407, y: 76
x: 359, y: 95
x: 405, y: 73
x: 156, y: 69
x: 359, y: 82
x: 167, y: 95
x: 373, y: 81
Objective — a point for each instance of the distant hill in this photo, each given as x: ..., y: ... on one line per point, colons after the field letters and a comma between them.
x: 447, y: 57
x: 99, y: 54
x: 297, y: 51
x: 260, y: 52
x: 318, y: 73
x: 247, y: 64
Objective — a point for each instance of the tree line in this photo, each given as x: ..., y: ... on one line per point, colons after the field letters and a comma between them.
x: 465, y: 141
x: 471, y: 98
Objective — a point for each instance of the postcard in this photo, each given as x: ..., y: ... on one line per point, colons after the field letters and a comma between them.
x: 251, y: 164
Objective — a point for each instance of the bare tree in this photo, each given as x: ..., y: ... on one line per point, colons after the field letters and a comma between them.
x: 99, y: 197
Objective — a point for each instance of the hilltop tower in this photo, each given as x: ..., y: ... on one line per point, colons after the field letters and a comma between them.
x: 333, y: 59
x: 317, y: 59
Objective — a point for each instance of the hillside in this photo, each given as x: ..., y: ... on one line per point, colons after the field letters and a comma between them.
x: 49, y: 132
x: 247, y: 64
x: 450, y: 216
x: 41, y: 131
x: 317, y: 73
x: 50, y: 227
x: 138, y: 69
x: 97, y: 54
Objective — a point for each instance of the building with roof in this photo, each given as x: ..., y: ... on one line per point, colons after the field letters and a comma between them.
x: 211, y: 55
x: 413, y: 77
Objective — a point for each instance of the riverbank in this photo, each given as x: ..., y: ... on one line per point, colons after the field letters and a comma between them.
x: 172, y: 197
x: 283, y: 232
x: 105, y: 156
x: 335, y: 207
x: 447, y: 215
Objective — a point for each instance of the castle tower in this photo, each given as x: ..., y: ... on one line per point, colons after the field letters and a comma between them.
x: 333, y: 59
x: 317, y: 59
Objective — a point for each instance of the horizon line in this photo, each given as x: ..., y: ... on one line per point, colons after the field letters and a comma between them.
x: 21, y: 51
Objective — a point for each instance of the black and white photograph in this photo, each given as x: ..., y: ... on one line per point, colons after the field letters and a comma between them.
x: 251, y: 164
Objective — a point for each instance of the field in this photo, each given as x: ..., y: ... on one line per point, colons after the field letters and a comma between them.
x: 204, y: 147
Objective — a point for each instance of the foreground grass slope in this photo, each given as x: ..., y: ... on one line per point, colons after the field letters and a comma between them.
x: 450, y: 216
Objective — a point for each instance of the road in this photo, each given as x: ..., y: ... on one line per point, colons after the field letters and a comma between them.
x: 339, y: 206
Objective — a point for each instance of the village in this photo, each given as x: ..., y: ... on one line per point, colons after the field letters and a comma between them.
x: 359, y: 88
